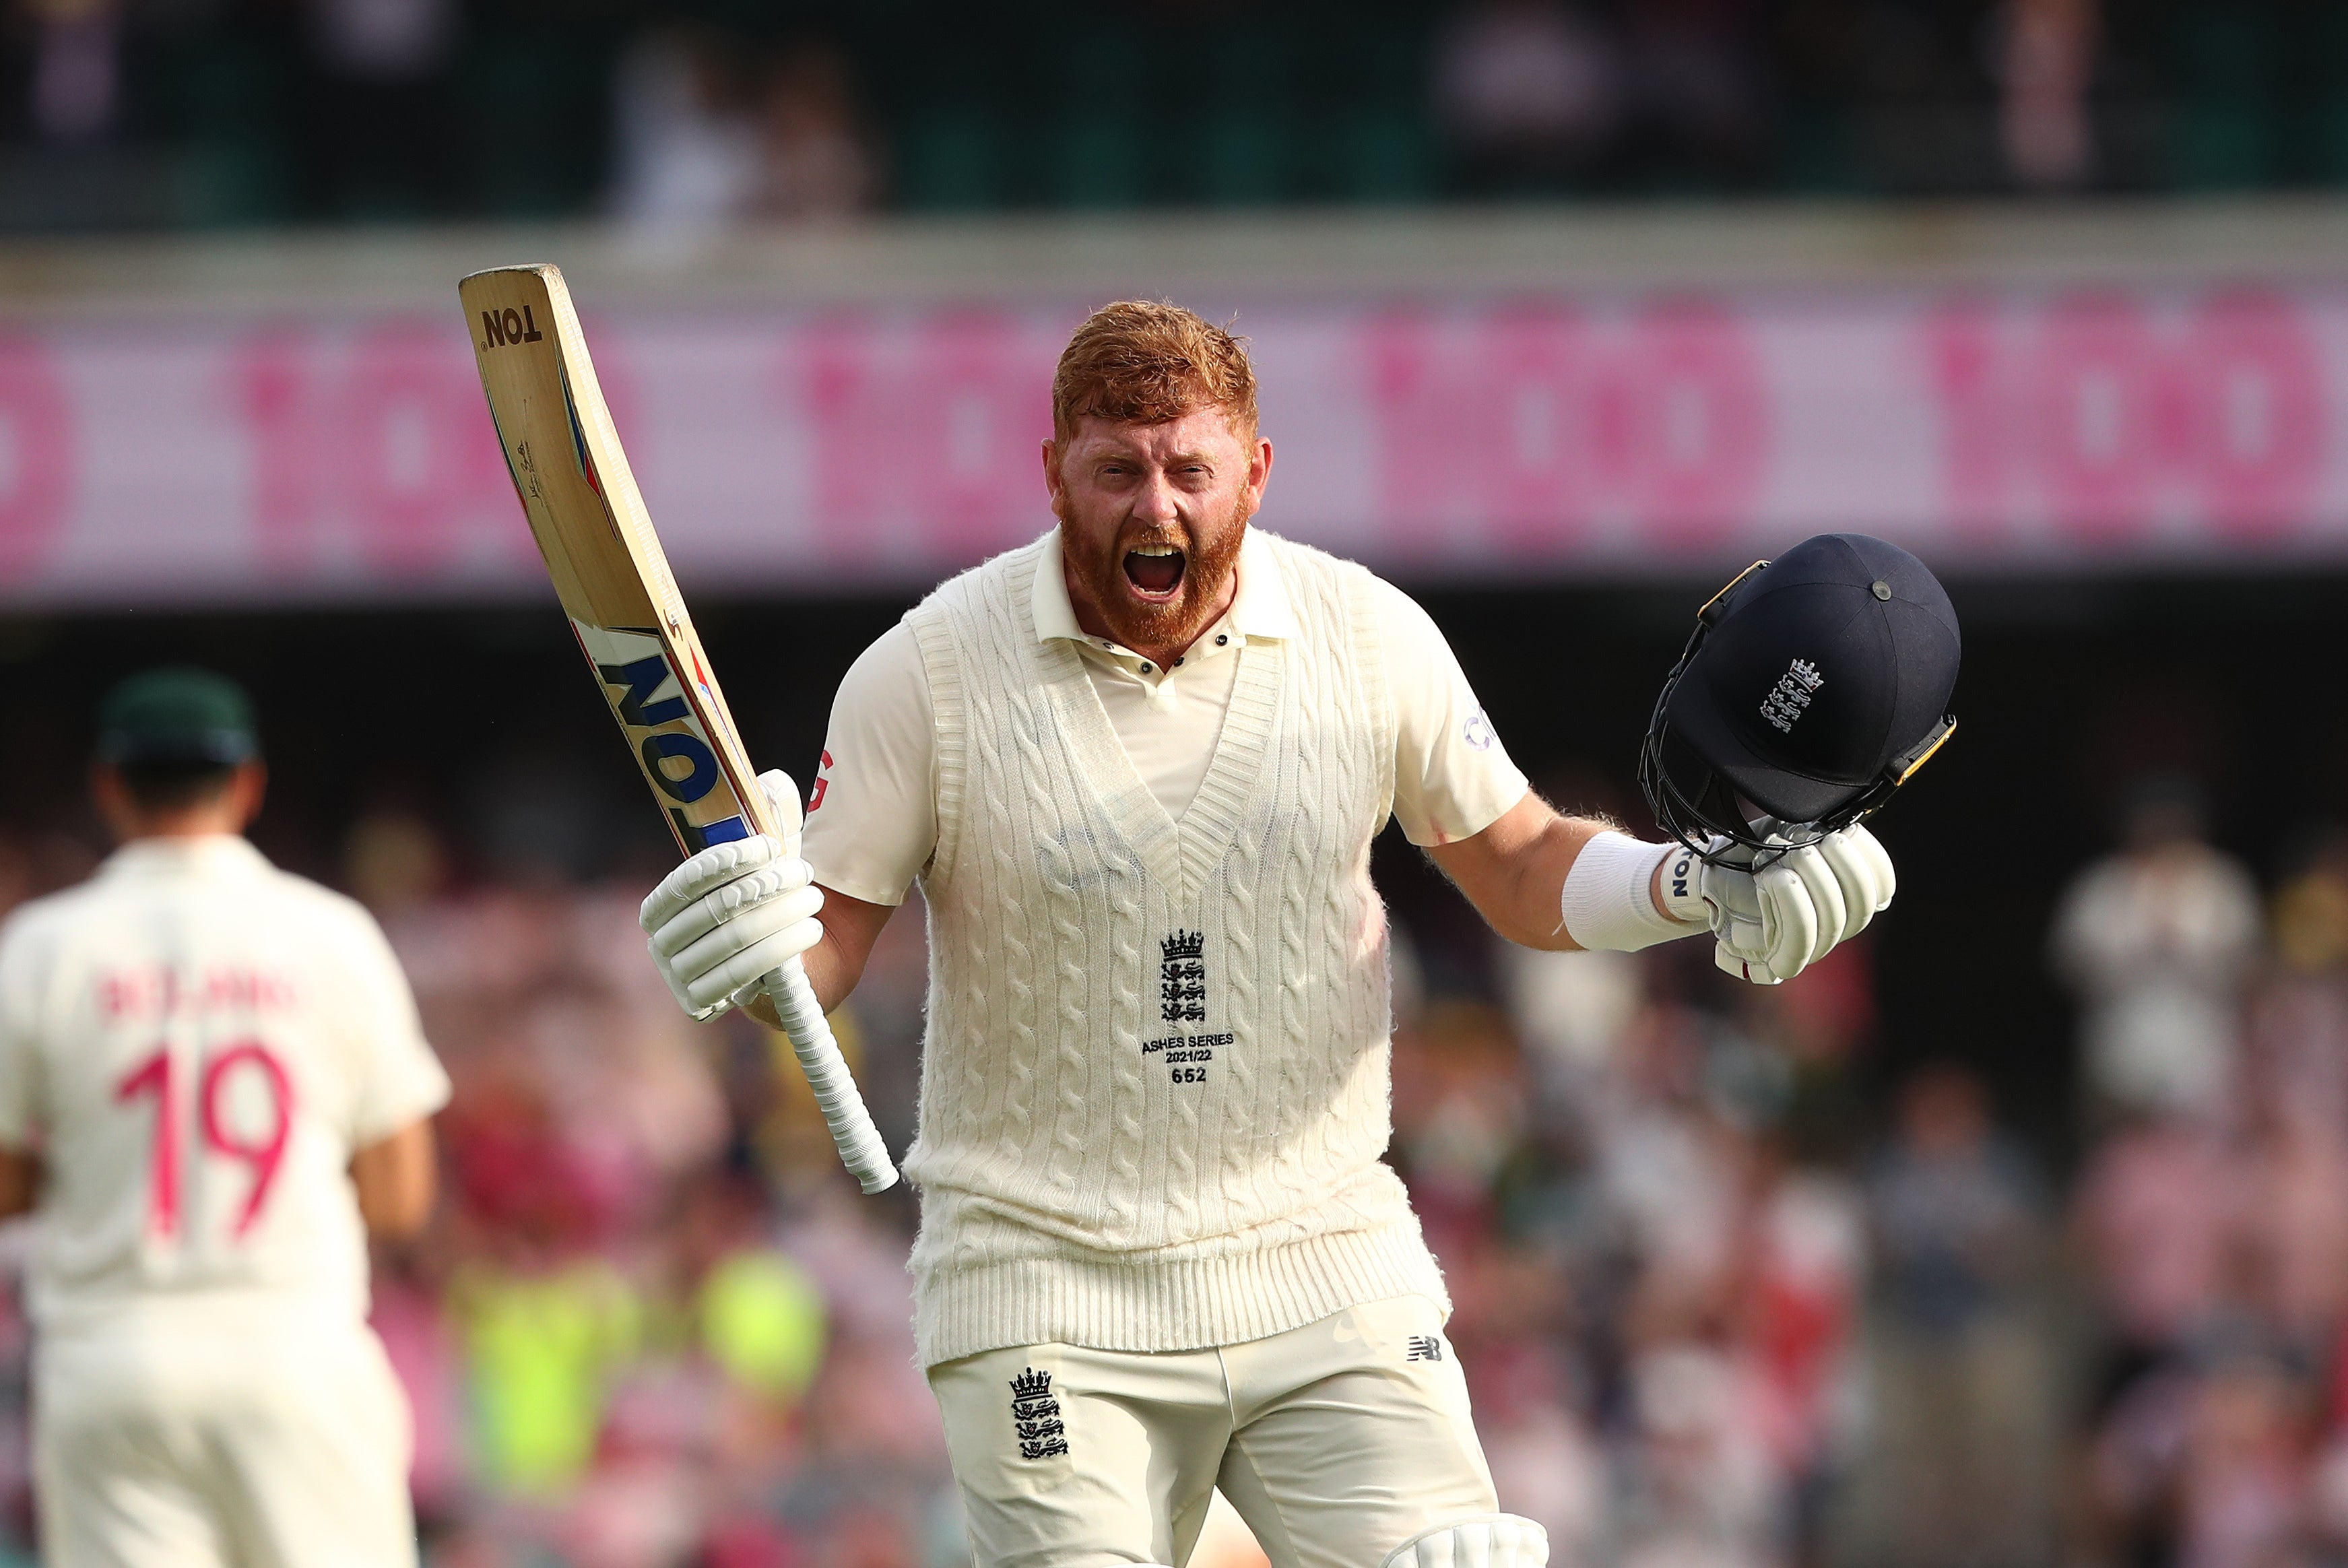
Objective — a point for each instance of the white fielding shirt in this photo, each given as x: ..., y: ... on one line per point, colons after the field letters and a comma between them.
x: 195, y: 1043
x: 872, y: 821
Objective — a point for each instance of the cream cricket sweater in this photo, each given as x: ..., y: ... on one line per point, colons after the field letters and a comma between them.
x: 1154, y: 1083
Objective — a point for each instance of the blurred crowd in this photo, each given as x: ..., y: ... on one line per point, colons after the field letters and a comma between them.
x: 1736, y: 1285
x: 154, y: 113
x: 2211, y: 1217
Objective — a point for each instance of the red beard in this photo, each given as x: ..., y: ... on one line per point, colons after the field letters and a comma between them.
x: 1176, y: 621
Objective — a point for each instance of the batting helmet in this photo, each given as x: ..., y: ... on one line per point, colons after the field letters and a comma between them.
x: 1814, y: 686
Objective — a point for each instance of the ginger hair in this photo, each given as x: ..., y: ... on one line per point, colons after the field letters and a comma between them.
x: 1143, y: 362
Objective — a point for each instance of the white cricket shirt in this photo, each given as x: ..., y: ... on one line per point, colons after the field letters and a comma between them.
x: 872, y: 822
x: 195, y: 1043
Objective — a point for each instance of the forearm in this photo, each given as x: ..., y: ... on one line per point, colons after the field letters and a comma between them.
x: 1515, y: 874
x: 831, y: 973
x: 834, y: 965
x: 1537, y: 917
x: 20, y: 1181
x: 1526, y: 911
x: 394, y: 1178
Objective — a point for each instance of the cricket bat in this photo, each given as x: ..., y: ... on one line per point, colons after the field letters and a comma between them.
x: 614, y: 581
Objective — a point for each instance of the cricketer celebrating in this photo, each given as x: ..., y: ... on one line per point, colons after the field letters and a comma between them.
x: 1136, y: 766
x: 212, y: 1084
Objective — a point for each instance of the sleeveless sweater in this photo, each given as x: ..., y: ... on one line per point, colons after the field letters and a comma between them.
x: 1155, y: 1076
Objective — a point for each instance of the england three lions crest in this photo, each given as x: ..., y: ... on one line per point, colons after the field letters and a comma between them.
x: 1182, y: 978
x: 1036, y: 1416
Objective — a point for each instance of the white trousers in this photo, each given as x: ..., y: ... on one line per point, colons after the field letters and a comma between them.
x: 1337, y: 1442
x: 219, y: 1451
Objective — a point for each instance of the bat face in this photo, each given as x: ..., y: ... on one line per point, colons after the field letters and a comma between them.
x: 588, y: 521
x: 679, y: 759
x: 608, y: 569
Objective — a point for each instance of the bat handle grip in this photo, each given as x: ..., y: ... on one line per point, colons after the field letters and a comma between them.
x: 860, y: 1148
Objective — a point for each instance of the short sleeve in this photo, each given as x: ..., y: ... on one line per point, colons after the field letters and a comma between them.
x: 1453, y: 778
x: 398, y: 1079
x: 873, y: 815
x: 20, y: 1119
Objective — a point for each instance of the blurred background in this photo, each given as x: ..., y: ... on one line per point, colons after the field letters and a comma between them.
x: 2014, y: 1235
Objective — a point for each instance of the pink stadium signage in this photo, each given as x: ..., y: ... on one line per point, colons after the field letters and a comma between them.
x: 299, y: 459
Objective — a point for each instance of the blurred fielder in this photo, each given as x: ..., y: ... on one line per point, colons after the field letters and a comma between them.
x: 212, y: 1086
x: 1136, y: 767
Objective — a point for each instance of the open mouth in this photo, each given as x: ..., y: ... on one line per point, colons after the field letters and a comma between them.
x: 1155, y: 571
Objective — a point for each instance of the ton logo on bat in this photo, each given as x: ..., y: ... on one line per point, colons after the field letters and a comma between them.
x: 499, y: 329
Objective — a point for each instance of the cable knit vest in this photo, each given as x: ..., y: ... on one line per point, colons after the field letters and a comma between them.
x: 1155, y: 1080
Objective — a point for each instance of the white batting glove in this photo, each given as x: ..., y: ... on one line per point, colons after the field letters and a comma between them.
x: 1773, y: 923
x: 729, y: 914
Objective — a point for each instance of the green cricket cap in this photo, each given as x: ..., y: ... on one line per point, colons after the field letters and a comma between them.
x: 179, y: 714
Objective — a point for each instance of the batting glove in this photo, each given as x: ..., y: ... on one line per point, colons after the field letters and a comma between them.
x: 728, y: 916
x: 1774, y: 923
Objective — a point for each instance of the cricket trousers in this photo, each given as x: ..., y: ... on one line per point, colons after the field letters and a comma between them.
x: 1337, y: 1442
x: 220, y: 1451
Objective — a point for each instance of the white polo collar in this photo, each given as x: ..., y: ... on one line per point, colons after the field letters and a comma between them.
x: 1260, y: 608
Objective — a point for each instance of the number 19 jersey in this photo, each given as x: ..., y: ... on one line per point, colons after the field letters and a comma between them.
x: 194, y: 1044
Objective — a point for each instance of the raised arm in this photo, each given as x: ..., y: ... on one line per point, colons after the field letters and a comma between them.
x: 1515, y: 870
x: 1562, y: 882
